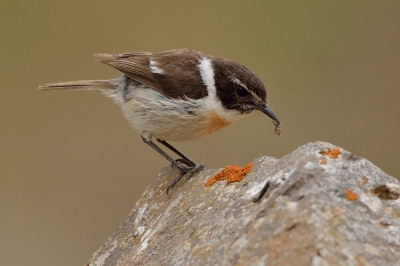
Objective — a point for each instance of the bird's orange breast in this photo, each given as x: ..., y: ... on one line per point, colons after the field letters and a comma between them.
x: 215, y: 122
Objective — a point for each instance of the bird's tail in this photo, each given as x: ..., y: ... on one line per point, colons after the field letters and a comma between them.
x: 95, y: 85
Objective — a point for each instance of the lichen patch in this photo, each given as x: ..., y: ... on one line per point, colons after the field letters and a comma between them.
x: 231, y: 173
x: 351, y: 196
x: 333, y: 154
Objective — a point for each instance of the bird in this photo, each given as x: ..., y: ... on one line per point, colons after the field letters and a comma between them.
x: 178, y: 95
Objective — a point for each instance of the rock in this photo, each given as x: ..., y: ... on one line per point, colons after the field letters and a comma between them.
x: 316, y: 206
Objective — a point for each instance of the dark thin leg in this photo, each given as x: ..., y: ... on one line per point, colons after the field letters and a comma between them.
x: 173, y: 183
x: 176, y: 180
x: 186, y: 159
x: 192, y: 169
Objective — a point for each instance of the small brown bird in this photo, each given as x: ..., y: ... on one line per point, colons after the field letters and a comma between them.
x: 178, y: 95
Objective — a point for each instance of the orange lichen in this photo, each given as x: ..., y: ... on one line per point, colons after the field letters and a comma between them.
x: 231, y: 173
x: 324, y: 161
x: 332, y: 153
x: 350, y: 195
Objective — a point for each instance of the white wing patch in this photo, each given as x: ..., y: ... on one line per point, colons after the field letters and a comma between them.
x: 207, y: 75
x: 155, y: 69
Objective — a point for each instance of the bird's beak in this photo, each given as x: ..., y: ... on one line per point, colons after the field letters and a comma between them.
x: 268, y: 111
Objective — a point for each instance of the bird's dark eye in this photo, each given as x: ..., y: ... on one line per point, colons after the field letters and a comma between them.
x: 240, y: 91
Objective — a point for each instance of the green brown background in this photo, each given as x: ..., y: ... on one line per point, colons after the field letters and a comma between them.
x: 71, y: 168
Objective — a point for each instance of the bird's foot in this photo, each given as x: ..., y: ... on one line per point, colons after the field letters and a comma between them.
x: 192, y: 170
x: 191, y: 167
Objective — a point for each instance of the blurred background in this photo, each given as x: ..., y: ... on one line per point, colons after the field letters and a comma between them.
x: 71, y: 168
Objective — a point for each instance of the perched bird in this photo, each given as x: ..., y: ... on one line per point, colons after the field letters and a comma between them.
x: 178, y: 95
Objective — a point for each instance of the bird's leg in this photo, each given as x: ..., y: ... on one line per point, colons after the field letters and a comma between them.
x: 176, y: 180
x: 184, y: 159
x: 192, y: 169
x: 169, y: 158
x: 173, y: 183
x: 187, y: 161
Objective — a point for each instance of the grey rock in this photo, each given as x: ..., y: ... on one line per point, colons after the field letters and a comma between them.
x: 292, y: 211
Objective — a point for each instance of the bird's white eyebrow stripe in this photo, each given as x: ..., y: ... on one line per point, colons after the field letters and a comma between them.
x: 237, y: 81
x: 207, y: 75
x: 155, y: 69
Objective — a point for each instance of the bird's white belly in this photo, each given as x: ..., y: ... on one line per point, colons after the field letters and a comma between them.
x: 170, y: 119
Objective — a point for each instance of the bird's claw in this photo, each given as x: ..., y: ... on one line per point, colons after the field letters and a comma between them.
x: 184, y: 170
x: 192, y: 167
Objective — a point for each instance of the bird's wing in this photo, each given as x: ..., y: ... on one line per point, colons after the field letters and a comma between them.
x: 134, y: 65
x: 173, y: 73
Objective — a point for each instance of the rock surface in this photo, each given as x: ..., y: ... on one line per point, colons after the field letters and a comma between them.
x: 308, y: 208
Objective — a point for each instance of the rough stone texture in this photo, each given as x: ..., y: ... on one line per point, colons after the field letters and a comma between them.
x: 299, y: 210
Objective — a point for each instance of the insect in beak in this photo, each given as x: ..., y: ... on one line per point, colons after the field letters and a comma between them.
x: 268, y: 111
